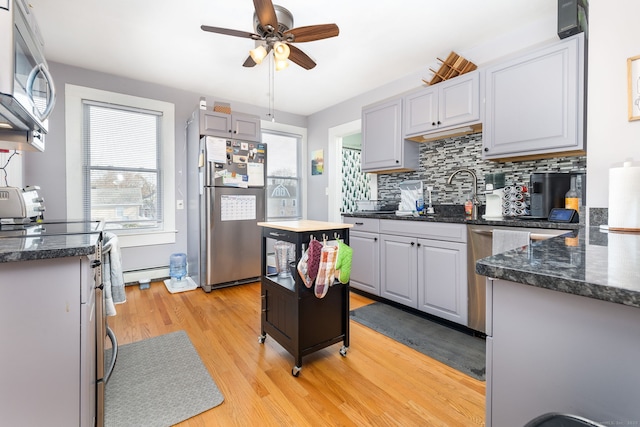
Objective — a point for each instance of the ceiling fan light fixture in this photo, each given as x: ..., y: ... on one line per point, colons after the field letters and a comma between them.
x: 281, y: 50
x: 258, y: 54
x: 281, y: 64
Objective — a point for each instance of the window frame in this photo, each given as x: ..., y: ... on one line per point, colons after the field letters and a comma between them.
x: 74, y: 95
x: 301, y: 134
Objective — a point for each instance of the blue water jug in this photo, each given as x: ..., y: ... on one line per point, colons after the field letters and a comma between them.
x: 178, y: 266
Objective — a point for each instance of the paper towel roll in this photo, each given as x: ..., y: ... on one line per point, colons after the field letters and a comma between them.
x: 624, y: 198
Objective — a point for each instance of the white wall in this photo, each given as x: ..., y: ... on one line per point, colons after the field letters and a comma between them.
x: 611, y: 138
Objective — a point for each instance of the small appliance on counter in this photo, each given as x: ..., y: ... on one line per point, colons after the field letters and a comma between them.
x: 20, y: 205
x: 547, y: 191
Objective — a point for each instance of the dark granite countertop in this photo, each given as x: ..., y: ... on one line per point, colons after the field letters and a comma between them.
x: 590, y: 262
x: 47, y: 247
x: 459, y: 218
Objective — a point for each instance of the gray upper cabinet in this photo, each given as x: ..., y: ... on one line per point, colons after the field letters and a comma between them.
x: 383, y: 148
x: 534, y: 103
x: 446, y: 105
x: 237, y: 126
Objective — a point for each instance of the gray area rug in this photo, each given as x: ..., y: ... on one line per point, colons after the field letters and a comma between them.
x: 454, y: 348
x: 158, y: 382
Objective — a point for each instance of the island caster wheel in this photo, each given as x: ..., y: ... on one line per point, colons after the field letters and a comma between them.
x: 343, y: 350
x: 262, y: 338
x: 296, y: 371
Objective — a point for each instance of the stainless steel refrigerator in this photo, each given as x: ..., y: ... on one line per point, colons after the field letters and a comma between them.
x: 230, y: 201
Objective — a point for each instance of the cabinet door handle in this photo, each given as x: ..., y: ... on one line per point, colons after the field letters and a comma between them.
x: 439, y: 122
x: 375, y: 239
x: 413, y: 243
x: 486, y: 148
x: 397, y: 161
x: 418, y: 244
x: 433, y: 123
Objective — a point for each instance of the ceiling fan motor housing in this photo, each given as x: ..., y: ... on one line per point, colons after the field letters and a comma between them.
x: 285, y: 22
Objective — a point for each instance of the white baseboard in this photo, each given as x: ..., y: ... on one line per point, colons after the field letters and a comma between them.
x: 149, y: 273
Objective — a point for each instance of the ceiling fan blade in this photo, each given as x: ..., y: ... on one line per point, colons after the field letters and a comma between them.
x: 300, y: 58
x: 228, y: 32
x: 266, y: 14
x: 249, y: 62
x: 312, y: 32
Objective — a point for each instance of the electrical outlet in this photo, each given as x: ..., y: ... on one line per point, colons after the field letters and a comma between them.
x: 179, y: 204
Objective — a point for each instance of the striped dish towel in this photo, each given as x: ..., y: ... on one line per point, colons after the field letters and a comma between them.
x: 326, y: 270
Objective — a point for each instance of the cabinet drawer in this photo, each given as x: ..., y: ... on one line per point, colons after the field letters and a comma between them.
x: 371, y: 225
x: 426, y: 230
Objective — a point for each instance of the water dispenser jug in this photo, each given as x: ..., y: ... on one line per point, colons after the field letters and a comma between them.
x: 178, y: 266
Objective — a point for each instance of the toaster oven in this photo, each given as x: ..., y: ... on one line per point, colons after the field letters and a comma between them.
x: 18, y: 205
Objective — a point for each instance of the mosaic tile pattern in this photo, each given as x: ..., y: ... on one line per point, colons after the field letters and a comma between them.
x: 355, y: 183
x: 441, y: 158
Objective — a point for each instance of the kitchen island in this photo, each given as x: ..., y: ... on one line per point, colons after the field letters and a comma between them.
x: 292, y: 314
x: 563, y: 320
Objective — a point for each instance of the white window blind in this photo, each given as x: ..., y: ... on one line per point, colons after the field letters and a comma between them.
x: 121, y: 152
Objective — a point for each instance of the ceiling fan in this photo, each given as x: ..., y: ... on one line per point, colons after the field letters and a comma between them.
x: 273, y: 31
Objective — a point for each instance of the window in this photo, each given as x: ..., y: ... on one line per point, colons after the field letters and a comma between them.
x: 283, y: 175
x: 120, y: 157
x: 122, y: 164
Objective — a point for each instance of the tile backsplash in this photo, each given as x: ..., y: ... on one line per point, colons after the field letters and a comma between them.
x: 440, y: 159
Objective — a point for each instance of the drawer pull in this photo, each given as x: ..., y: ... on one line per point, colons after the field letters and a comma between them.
x: 359, y: 223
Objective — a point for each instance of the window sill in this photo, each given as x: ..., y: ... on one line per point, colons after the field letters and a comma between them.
x: 130, y: 240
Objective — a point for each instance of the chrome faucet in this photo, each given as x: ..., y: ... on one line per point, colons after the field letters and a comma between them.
x: 474, y: 196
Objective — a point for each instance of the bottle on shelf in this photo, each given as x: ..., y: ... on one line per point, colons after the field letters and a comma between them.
x: 572, y: 198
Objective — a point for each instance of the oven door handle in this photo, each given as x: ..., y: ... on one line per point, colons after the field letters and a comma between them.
x: 114, y: 354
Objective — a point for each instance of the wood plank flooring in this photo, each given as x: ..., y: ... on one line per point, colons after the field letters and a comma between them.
x: 379, y: 383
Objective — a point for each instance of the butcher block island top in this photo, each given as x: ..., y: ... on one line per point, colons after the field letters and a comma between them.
x: 304, y: 225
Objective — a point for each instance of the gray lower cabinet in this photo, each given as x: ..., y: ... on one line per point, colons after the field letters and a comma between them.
x: 399, y: 269
x: 549, y: 351
x: 366, y: 256
x: 442, y: 279
x: 365, y: 242
x: 383, y: 147
x: 419, y: 264
x: 534, y: 103
x: 48, y: 330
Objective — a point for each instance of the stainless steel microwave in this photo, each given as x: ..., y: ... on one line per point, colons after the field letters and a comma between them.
x: 27, y: 92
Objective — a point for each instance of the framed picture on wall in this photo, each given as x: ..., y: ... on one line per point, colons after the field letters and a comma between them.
x: 633, y: 87
x: 317, y: 162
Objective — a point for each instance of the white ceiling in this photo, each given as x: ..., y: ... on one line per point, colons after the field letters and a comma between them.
x: 380, y: 41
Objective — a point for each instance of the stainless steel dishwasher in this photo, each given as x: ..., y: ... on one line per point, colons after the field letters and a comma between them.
x: 480, y: 242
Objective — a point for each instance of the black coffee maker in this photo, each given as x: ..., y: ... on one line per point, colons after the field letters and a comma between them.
x: 547, y: 190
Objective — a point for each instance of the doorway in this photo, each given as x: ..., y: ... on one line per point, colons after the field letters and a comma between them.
x: 342, y: 138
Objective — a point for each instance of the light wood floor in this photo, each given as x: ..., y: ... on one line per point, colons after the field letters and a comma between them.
x: 379, y: 383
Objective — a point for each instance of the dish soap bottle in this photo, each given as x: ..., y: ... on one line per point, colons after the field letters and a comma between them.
x: 572, y: 198
x: 468, y: 207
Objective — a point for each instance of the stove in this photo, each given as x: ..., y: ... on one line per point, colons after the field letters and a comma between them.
x: 50, y: 228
